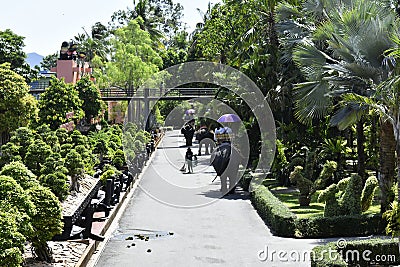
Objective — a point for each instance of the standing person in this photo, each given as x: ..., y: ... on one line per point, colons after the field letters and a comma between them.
x: 188, y: 131
x: 189, y: 160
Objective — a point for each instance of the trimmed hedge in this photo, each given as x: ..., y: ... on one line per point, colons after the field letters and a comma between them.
x: 275, y: 214
x: 285, y: 223
x: 381, y: 252
x: 351, y: 225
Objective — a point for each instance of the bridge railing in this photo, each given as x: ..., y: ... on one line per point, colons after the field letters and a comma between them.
x: 157, y: 92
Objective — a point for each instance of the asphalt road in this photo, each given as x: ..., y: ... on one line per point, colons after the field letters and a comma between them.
x: 176, y: 219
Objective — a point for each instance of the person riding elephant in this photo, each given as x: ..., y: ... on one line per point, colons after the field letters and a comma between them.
x: 226, y: 160
x: 188, y: 132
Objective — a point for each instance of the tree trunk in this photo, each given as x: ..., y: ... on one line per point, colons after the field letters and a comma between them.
x: 360, y: 150
x: 386, y: 164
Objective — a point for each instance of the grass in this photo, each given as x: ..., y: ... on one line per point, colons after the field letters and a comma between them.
x: 289, y: 196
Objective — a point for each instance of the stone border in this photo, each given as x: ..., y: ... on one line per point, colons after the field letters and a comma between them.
x: 94, y: 245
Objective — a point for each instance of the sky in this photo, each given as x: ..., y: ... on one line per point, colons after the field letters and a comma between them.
x: 45, y: 24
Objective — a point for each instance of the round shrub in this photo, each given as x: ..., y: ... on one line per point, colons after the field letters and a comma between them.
x: 20, y: 173
x: 57, y: 183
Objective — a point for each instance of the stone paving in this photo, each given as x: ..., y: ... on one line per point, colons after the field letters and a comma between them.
x: 177, y: 219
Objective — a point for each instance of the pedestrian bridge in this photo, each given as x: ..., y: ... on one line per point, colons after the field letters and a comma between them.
x: 122, y: 94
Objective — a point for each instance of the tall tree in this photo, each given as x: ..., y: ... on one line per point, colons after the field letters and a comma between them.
x: 357, y: 35
x: 11, y: 46
x: 133, y: 58
x: 17, y: 106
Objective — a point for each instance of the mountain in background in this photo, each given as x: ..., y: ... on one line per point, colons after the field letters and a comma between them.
x: 34, y: 59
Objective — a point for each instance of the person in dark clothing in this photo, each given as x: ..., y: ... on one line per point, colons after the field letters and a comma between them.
x: 189, y: 160
x: 188, y: 132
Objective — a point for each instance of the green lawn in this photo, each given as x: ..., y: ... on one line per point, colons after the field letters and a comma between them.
x: 289, y: 196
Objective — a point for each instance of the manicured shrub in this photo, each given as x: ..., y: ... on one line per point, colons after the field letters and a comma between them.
x: 20, y: 173
x: 347, y: 256
x: 274, y: 212
x: 350, y: 202
x: 107, y: 175
x: 46, y: 222
x: 328, y: 196
x: 12, y: 195
x: 368, y: 193
x: 37, y: 153
x: 326, y: 174
x: 304, y: 185
x: 57, y: 183
x: 75, y: 166
x: 119, y: 159
x: 11, y: 241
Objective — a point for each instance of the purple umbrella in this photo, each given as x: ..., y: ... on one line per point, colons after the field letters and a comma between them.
x: 190, y: 111
x: 229, y: 118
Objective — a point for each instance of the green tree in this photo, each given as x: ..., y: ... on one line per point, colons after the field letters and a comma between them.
x: 37, y: 155
x: 11, y: 241
x: 75, y: 166
x: 20, y: 173
x: 133, y: 59
x: 17, y: 106
x: 57, y: 100
x: 92, y: 104
x: 11, y: 51
x: 49, y: 61
x: 47, y: 221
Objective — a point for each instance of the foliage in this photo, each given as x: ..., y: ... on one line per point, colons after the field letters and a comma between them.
x: 47, y: 220
x: 118, y: 159
x: 13, y: 199
x: 368, y: 193
x: 57, y: 100
x: 280, y: 219
x: 20, y: 173
x: 108, y: 174
x: 304, y: 185
x: 92, y: 104
x: 49, y: 61
x: 17, y: 106
x: 11, y: 51
x: 57, y: 183
x: 36, y: 156
x: 350, y: 201
x: 11, y: 241
x: 326, y: 175
x: 133, y: 60
x: 328, y: 196
x: 392, y: 216
x: 75, y: 166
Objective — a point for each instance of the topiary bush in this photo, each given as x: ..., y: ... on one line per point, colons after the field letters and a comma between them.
x: 11, y: 241
x: 326, y: 174
x: 119, y: 159
x: 46, y: 222
x: 368, y: 193
x: 350, y: 201
x: 20, y: 173
x: 304, y: 185
x: 328, y: 196
x: 13, y: 197
x: 57, y: 183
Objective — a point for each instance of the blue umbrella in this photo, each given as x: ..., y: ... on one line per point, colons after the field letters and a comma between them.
x: 229, y: 118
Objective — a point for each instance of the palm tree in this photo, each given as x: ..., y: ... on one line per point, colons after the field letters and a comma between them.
x: 357, y: 36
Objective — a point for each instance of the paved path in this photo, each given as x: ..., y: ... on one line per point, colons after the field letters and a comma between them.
x: 187, y: 222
